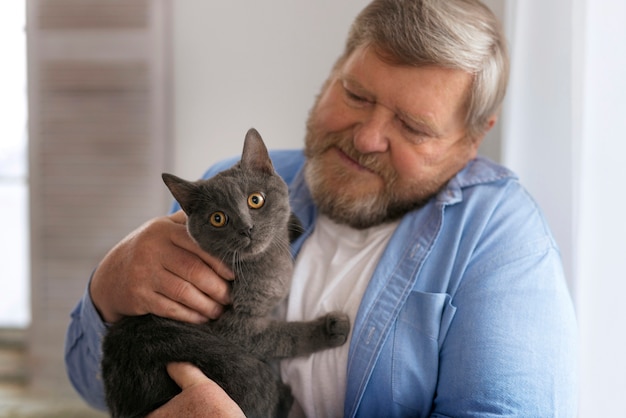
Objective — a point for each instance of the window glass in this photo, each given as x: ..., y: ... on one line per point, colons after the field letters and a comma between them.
x: 14, y: 294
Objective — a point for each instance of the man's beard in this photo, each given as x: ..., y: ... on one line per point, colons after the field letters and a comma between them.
x: 333, y: 191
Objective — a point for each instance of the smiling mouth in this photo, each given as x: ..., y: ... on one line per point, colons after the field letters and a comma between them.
x: 352, y: 162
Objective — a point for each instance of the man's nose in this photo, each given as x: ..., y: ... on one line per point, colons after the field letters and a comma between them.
x: 371, y: 134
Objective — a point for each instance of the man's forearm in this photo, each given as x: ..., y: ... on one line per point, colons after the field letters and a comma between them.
x: 83, y: 352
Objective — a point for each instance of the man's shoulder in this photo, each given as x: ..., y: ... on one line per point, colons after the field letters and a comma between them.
x: 493, y: 193
x: 287, y: 163
x: 482, y: 170
x: 479, y: 176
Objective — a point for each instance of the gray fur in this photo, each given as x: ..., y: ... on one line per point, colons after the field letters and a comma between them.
x: 235, y: 350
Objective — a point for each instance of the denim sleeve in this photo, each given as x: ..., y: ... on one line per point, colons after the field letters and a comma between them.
x: 83, y: 352
x: 511, y: 349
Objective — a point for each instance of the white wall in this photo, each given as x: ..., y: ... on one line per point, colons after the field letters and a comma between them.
x: 537, y: 119
x: 241, y: 64
x: 601, y: 226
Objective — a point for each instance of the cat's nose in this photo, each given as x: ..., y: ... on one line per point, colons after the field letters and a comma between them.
x: 246, y: 231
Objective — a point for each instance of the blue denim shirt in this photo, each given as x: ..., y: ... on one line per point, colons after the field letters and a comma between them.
x: 466, y: 315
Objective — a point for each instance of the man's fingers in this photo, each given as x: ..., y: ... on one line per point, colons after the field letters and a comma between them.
x: 200, y: 396
x: 186, y: 375
x: 191, y: 282
x: 179, y: 217
x: 167, y: 308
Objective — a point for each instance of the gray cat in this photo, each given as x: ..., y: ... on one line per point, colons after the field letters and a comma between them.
x: 241, y: 216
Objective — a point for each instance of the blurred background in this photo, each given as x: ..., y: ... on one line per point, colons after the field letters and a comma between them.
x: 100, y: 96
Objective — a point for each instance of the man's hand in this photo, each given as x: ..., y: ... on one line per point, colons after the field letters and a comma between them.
x: 159, y: 269
x: 200, y: 396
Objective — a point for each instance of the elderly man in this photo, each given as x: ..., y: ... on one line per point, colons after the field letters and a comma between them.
x: 443, y: 261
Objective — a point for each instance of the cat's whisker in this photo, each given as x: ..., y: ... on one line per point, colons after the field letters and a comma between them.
x: 239, y: 266
x: 283, y: 245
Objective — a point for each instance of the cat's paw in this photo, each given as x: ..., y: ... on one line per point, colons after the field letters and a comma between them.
x: 337, y: 328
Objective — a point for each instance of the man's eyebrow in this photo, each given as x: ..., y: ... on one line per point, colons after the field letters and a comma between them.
x: 347, y: 78
x: 352, y: 83
x: 422, y: 122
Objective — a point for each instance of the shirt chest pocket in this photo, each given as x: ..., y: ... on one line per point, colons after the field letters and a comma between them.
x: 419, y: 332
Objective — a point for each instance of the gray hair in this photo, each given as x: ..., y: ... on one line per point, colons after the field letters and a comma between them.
x: 458, y: 34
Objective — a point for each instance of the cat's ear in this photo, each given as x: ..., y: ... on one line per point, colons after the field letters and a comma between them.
x: 185, y: 192
x: 255, y: 155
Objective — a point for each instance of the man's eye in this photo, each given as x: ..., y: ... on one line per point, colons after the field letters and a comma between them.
x: 355, y: 99
x: 412, y: 130
x: 414, y: 135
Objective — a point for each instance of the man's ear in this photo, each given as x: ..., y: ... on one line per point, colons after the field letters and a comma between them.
x: 488, y: 125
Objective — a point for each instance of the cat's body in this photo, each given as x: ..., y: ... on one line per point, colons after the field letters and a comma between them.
x: 241, y: 216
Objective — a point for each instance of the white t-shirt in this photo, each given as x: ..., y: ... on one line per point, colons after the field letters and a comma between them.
x: 331, y: 273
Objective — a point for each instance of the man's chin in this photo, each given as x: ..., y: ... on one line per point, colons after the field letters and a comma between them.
x: 355, y: 203
x: 358, y: 207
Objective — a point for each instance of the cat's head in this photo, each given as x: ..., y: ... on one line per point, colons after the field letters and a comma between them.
x: 239, y: 211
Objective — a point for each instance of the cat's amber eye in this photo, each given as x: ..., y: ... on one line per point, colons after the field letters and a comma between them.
x: 218, y: 219
x: 256, y: 200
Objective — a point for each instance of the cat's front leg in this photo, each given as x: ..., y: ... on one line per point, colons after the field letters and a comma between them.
x: 280, y: 339
x: 337, y: 326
